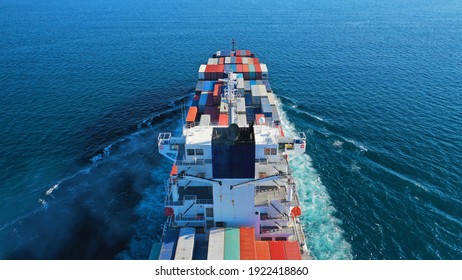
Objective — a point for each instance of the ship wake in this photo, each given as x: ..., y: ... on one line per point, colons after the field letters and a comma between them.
x: 323, y: 230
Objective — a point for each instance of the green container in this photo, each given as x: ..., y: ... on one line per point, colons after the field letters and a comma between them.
x: 232, y: 244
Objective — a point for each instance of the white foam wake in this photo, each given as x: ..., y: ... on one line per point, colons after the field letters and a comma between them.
x: 324, y: 235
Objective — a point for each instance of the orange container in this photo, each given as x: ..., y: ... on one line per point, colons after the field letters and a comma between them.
x: 263, y: 250
x: 192, y: 113
x: 292, y: 250
x: 223, y: 119
x: 247, y: 243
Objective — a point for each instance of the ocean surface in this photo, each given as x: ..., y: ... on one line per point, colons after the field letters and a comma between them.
x: 86, y: 86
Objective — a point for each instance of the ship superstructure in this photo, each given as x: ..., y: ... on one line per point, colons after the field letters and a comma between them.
x: 230, y: 193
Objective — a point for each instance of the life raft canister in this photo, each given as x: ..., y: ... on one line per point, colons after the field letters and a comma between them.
x: 296, y: 211
x: 168, y: 211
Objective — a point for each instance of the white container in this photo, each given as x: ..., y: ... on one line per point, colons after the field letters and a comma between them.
x: 201, y: 72
x: 228, y: 60
x: 205, y: 120
x: 185, y: 245
x: 216, y: 249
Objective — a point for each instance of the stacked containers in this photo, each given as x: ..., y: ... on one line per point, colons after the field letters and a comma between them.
x: 217, y: 94
x: 201, y: 72
x: 213, y: 112
x: 203, y: 101
x: 276, y: 118
x: 266, y: 107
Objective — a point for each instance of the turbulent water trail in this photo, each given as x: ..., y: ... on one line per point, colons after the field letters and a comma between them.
x: 323, y: 230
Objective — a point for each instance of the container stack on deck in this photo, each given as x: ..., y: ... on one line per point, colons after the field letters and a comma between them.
x: 227, y: 244
x: 253, y: 87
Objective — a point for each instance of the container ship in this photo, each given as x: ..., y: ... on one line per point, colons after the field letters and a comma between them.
x: 230, y: 194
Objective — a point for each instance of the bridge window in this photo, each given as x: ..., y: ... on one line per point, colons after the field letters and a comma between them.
x: 190, y: 152
x: 199, y: 152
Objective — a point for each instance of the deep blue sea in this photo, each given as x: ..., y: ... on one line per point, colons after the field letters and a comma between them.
x: 86, y: 86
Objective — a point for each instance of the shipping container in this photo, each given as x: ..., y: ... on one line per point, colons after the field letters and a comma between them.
x: 203, y: 101
x: 248, y: 99
x: 192, y: 114
x: 271, y: 99
x: 246, y: 85
x: 185, y: 245
x: 199, y: 86
x: 292, y: 250
x: 267, y: 84
x: 205, y: 120
x: 228, y: 60
x: 264, y: 71
x: 247, y: 243
x: 209, y: 101
x: 201, y: 72
x: 245, y: 60
x: 212, y: 61
x: 232, y: 244
x: 263, y: 250
x: 250, y: 114
x: 266, y: 110
x: 276, y: 118
x: 195, y: 101
x: 168, y: 248
x: 216, y: 248
x: 214, y: 113
x: 223, y: 119
x: 277, y: 250
x: 238, y: 60
x: 250, y: 60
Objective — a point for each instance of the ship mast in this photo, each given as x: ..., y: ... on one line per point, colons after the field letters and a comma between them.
x: 230, y: 96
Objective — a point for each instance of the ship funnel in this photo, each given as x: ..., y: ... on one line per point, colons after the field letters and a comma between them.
x: 233, y: 132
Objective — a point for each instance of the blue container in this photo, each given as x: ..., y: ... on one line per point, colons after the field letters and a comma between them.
x: 233, y: 67
x: 248, y: 99
x: 233, y: 59
x: 250, y: 114
x: 267, y: 85
x: 168, y: 249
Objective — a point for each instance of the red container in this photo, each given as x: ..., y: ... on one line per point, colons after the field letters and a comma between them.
x: 277, y: 251
x: 247, y: 53
x: 263, y: 250
x: 238, y: 53
x: 292, y: 250
x: 247, y: 243
x: 221, y: 60
x: 257, y: 67
x: 223, y: 119
x: 255, y: 61
x: 239, y: 60
x: 239, y: 68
